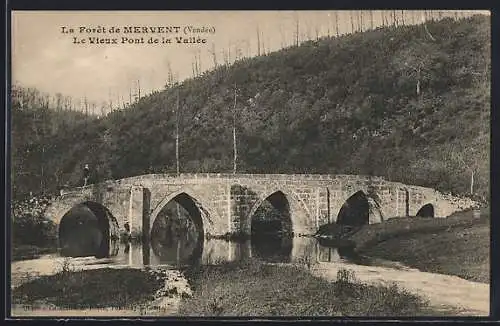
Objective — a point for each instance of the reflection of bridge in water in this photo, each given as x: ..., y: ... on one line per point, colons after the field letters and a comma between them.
x: 300, y: 250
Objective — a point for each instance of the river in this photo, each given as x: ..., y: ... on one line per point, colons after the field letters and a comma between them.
x: 443, y: 291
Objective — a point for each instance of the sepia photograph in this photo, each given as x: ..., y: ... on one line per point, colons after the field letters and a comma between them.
x: 252, y: 164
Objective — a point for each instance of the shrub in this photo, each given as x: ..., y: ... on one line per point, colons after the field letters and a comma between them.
x: 29, y: 226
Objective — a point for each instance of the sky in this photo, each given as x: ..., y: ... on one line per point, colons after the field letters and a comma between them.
x: 46, y: 57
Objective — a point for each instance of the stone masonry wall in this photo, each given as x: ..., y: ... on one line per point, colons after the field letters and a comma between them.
x: 227, y: 201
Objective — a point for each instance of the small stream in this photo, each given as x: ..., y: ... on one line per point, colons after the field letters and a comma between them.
x: 304, y: 250
x: 444, y: 291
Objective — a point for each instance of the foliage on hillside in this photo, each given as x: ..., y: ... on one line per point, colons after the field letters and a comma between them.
x: 29, y: 227
x: 391, y: 102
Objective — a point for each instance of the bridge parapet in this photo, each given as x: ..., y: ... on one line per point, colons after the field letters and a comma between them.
x: 233, y: 178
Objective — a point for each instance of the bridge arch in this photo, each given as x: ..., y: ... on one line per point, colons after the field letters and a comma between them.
x: 187, y: 198
x: 297, y: 211
x: 279, y: 223
x: 427, y: 210
x: 87, y: 229
x: 360, y: 208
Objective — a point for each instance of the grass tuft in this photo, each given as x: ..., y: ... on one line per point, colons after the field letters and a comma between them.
x: 68, y: 289
x: 253, y: 288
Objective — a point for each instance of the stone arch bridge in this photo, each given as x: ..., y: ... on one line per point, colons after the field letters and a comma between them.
x: 226, y: 202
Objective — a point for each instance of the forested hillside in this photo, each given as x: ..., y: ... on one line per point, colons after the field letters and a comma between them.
x: 406, y: 103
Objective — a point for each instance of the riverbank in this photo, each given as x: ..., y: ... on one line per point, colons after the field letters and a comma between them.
x: 253, y: 288
x: 100, y: 288
x: 458, y: 245
x: 89, y: 287
x: 448, y: 295
x: 23, y: 252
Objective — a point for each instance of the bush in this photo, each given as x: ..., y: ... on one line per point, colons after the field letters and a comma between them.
x: 29, y: 226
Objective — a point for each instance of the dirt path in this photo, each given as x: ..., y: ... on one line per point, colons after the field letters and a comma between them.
x: 443, y: 291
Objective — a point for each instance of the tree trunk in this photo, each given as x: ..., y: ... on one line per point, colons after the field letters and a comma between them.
x: 472, y: 182
x: 296, y: 31
x: 234, y: 133
x: 418, y: 81
x: 361, y: 21
x: 352, y: 22
x: 337, y: 24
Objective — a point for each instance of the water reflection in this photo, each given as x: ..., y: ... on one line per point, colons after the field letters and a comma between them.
x: 272, y: 249
x: 214, y: 251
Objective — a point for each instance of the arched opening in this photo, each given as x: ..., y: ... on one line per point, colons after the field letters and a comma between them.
x: 355, y: 211
x: 272, y: 217
x: 177, y: 232
x: 271, y: 229
x: 426, y: 211
x: 88, y: 229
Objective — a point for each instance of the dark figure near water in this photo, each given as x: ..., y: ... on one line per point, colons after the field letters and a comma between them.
x: 86, y: 174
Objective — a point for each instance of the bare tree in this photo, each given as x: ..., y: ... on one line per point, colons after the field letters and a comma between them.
x: 177, y: 115
x: 308, y: 30
x: 425, y: 17
x: 214, y: 54
x: 258, y: 41
x: 86, y: 106
x: 402, y: 17
x: 59, y: 101
x: 67, y: 103
x: 170, y: 75
x: 352, y: 21
x: 371, y: 19
x: 247, y: 48
x: 235, y: 151
x: 118, y: 100
x: 337, y: 23
x: 239, y: 50
x: 138, y: 89
x: 361, y: 25
x: 224, y: 56
x: 200, y: 67
x: 297, y: 29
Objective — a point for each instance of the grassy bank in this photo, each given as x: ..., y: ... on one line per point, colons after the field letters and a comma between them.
x: 119, y: 288
x: 23, y: 252
x: 458, y: 245
x: 254, y: 288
